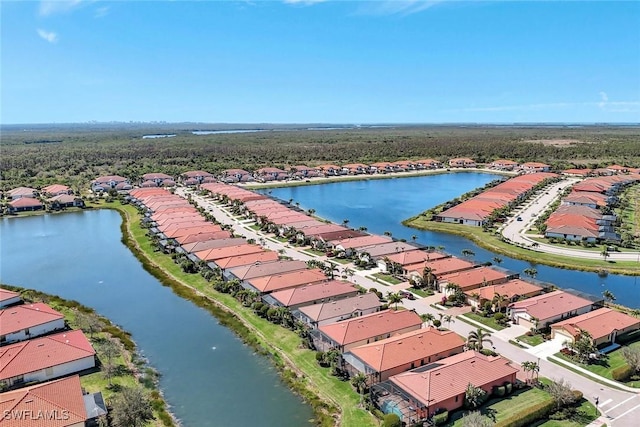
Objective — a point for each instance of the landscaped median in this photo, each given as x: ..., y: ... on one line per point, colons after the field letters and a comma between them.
x: 494, y: 243
x: 298, y: 365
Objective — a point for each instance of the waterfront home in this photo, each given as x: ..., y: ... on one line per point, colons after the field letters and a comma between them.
x: 20, y: 192
x: 202, y: 237
x: 347, y: 233
x: 417, y: 394
x: 110, y: 182
x: 355, y: 169
x: 206, y: 245
x: 462, y: 162
x: 55, y: 190
x: 303, y: 171
x: 278, y: 282
x: 543, y: 310
x: 8, y: 298
x: 23, y: 322
x: 399, y: 261
x: 510, y: 291
x: 175, y: 233
x: 158, y: 179
x: 236, y: 175
x: 318, y: 231
x: 581, y: 223
x: 428, y: 164
x: 403, y: 165
x: 305, y: 295
x: 357, y: 331
x: 534, y: 167
x: 381, y: 167
x: 474, y: 278
x: 65, y: 201
x: 45, y: 358
x: 604, y: 325
x: 334, y: 311
x: 374, y: 252
x: 503, y: 165
x: 270, y: 174
x: 24, y: 204
x: 400, y: 353
x: 226, y: 252
x: 58, y: 403
x: 330, y: 170
x: 350, y: 245
x: 261, y: 269
x: 237, y: 261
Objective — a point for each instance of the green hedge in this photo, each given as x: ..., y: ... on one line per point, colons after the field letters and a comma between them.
x: 622, y: 373
x: 528, y: 416
x: 441, y: 418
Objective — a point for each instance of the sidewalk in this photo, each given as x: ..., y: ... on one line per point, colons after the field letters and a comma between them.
x: 592, y: 375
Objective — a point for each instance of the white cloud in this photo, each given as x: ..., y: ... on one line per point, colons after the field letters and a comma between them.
x: 603, y: 99
x: 49, y: 36
x: 101, y: 11
x: 397, y: 7
x: 52, y: 7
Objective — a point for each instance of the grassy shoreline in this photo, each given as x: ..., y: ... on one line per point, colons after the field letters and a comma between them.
x: 494, y: 244
x: 334, y: 402
x: 346, y: 178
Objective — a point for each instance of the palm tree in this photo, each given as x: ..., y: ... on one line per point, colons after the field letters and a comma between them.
x: 467, y: 253
x: 427, y: 318
x: 478, y: 338
x: 427, y: 276
x: 635, y: 313
x: 474, y: 395
x: 497, y: 259
x: 498, y: 301
x: 394, y: 298
x: 449, y: 319
x: 608, y: 296
x: 359, y: 382
x: 531, y: 272
x: 362, y: 228
x: 605, y: 253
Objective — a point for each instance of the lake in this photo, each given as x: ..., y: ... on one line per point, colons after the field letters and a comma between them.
x: 382, y: 204
x: 208, y: 376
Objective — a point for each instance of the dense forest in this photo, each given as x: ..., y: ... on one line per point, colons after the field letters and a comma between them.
x: 75, y: 154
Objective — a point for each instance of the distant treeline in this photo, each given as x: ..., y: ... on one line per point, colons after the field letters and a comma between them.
x: 79, y: 154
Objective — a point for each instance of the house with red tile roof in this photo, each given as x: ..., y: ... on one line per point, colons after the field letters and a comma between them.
x: 512, y: 291
x: 195, y: 177
x: 358, y: 331
x: 474, y: 278
x: 355, y: 169
x: 543, y: 310
x: 270, y: 174
x: 439, y: 267
x: 202, y: 237
x: 330, y: 170
x: 334, y: 311
x: 604, y: 325
x: 226, y: 252
x: 20, y: 192
x: 45, y: 358
x: 24, y: 204
x: 381, y: 167
x: 184, y: 231
x: 23, y: 322
x: 278, y: 282
x: 261, y: 269
x: 534, y: 167
x: 462, y: 162
x: 108, y: 182
x: 300, y: 296
x: 8, y: 298
x: 58, y: 403
x: 400, y: 353
x: 577, y: 172
x: 407, y: 258
x: 206, y: 245
x: 589, y: 199
x: 235, y: 175
x: 503, y: 164
x: 237, y: 261
x: 65, y: 201
x: 349, y: 245
x: 55, y: 190
x: 428, y: 164
x: 417, y: 394
x: 381, y: 250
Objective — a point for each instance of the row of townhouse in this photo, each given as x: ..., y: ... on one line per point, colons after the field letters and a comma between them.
x: 582, y: 215
x: 39, y: 362
x: 606, y: 171
x: 57, y: 196
x: 477, y: 210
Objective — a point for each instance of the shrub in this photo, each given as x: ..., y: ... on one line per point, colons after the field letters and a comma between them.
x: 378, y: 414
x: 437, y: 323
x: 441, y: 418
x: 529, y: 415
x: 391, y: 420
x: 578, y: 396
x: 499, y: 391
x: 622, y: 373
x: 509, y: 387
x: 499, y: 317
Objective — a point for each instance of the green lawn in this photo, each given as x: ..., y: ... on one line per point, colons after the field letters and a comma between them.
x: 499, y: 409
x: 587, y: 413
x: 388, y: 278
x: 284, y: 344
x: 604, y: 369
x: 533, y: 340
x: 342, y: 260
x: 314, y: 252
x: 488, y: 321
x: 421, y: 292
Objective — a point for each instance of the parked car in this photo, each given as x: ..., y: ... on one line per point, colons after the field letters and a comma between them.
x: 519, y: 218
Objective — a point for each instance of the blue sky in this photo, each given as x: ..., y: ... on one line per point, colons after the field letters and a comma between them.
x: 320, y: 61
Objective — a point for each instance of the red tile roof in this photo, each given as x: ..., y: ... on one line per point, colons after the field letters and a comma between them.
x: 6, y: 294
x: 203, y: 237
x: 267, y: 268
x: 332, y: 309
x: 372, y: 325
x: 231, y: 251
x: 41, y: 353
x: 550, y: 305
x: 599, y: 323
x: 442, y: 266
x: 61, y: 400
x: 292, y: 279
x: 510, y: 289
x: 192, y: 230
x: 357, y: 242
x: 437, y: 382
x: 473, y: 278
x: 22, y: 192
x: 405, y: 348
x: 415, y: 257
x: 315, y: 292
x: 20, y: 317
x: 55, y: 189
x: 25, y: 202
x: 236, y: 261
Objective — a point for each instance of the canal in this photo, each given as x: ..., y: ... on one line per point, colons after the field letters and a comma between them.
x: 209, y: 377
x: 382, y: 204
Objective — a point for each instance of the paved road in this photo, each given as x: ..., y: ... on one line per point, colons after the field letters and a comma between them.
x: 514, y: 230
x: 619, y: 407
